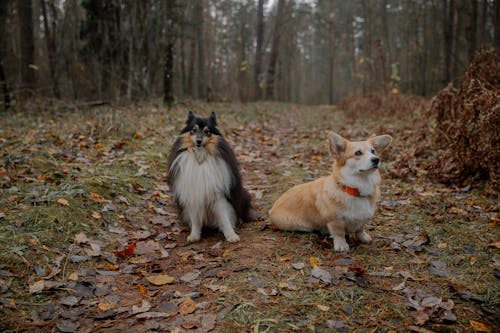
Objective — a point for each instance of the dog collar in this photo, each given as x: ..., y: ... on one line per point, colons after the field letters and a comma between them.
x: 351, y: 190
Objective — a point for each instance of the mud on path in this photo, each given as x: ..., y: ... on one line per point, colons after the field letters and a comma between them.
x: 431, y: 266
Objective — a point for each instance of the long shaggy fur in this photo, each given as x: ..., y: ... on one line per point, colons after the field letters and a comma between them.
x: 205, y: 179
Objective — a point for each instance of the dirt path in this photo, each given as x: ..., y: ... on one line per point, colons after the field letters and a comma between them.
x: 429, y: 267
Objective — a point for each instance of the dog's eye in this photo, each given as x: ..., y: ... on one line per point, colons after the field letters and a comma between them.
x: 207, y: 131
x: 358, y: 153
x: 373, y: 151
x: 192, y: 131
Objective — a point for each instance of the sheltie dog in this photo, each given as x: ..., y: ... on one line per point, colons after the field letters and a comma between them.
x: 340, y: 203
x: 205, y: 179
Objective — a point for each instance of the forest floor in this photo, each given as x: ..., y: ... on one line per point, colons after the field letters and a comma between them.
x: 90, y: 239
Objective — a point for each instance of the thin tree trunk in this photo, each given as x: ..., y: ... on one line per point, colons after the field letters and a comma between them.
x: 331, y: 53
x: 5, y: 87
x: 51, y: 48
x: 131, y: 52
x: 168, y: 97
x: 496, y: 22
x: 258, y: 50
x: 202, y: 85
x: 449, y: 12
x: 472, y: 29
x: 271, y: 71
x: 27, y: 42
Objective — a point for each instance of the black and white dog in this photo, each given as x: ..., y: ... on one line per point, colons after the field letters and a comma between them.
x: 205, y: 179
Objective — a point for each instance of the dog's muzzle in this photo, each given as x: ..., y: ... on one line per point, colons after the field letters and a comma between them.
x: 375, y: 161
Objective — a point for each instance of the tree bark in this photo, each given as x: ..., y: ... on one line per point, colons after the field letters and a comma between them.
x: 472, y: 29
x: 200, y: 31
x: 27, y: 43
x: 496, y: 22
x: 273, y: 58
x: 449, y: 14
x: 331, y: 53
x: 259, y: 54
x: 51, y: 48
x: 168, y: 74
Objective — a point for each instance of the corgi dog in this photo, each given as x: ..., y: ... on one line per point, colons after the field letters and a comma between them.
x: 205, y: 179
x: 340, y: 203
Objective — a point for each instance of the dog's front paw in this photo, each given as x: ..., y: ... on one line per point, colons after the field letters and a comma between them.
x: 363, y: 237
x: 193, y: 238
x: 340, y: 245
x: 233, y: 238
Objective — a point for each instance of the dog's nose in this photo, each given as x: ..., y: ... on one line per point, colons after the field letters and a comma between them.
x: 375, y: 160
x: 198, y: 142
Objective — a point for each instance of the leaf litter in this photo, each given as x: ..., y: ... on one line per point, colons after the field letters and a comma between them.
x: 119, y: 273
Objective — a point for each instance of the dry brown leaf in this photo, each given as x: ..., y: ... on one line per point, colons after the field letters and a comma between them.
x: 106, y: 305
x: 81, y: 238
x: 495, y: 245
x: 63, y: 202
x: 97, y: 197
x: 160, y: 280
x: 73, y: 276
x: 96, y: 215
x: 142, y: 289
x: 313, y: 261
x: 187, y: 306
x: 37, y: 286
x: 323, y: 308
x: 480, y: 327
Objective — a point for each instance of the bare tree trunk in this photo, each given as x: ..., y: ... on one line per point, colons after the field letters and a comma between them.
x: 131, y: 52
x: 51, y: 48
x: 3, y: 79
x: 168, y: 97
x: 202, y: 85
x: 27, y: 42
x: 496, y: 22
x: 259, y: 54
x: 331, y: 53
x: 271, y: 71
x: 449, y: 12
x: 472, y: 29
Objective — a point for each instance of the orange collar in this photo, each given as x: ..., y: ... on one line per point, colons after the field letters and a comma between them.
x: 351, y: 190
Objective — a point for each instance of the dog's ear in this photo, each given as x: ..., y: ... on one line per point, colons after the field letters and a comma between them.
x: 380, y: 142
x: 213, y: 119
x: 337, y: 143
x: 190, y: 117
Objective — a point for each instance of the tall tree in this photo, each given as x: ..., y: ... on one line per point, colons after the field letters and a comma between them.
x: 200, y: 35
x: 51, y: 45
x: 4, y: 6
x: 449, y: 28
x: 496, y: 22
x: 273, y: 57
x: 168, y: 74
x: 27, y: 42
x: 259, y: 54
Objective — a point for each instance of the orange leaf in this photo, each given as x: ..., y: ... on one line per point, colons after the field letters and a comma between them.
x: 128, y: 251
x: 110, y: 267
x: 96, y: 215
x: 187, y: 307
x: 63, y: 202
x: 496, y: 244
x: 97, y: 197
x: 313, y: 261
x: 141, y: 288
x: 478, y: 326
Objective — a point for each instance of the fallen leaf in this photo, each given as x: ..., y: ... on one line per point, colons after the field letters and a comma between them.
x: 495, y: 245
x: 188, y: 277
x: 96, y: 215
x: 97, y: 197
x: 322, y: 275
x: 36, y: 287
x: 313, y: 261
x: 187, y: 306
x: 63, y: 202
x: 81, y: 238
x: 145, y: 306
x: 323, y: 308
x: 110, y: 267
x: 159, y: 280
x: 142, y: 289
x: 298, y: 265
x: 67, y: 325
x: 106, y: 305
x: 128, y: 251
x: 473, y: 260
x: 478, y: 326
x: 73, y: 276
x: 267, y: 291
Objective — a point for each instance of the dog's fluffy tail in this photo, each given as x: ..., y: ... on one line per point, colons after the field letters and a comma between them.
x: 239, y: 198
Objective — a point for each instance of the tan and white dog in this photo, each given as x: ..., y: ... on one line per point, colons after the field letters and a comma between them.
x: 340, y: 203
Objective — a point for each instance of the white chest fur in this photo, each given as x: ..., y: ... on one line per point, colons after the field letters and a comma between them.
x: 356, y: 212
x: 200, y: 184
